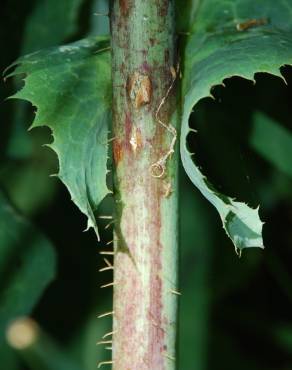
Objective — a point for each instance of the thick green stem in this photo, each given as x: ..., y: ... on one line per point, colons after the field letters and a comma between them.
x: 146, y: 185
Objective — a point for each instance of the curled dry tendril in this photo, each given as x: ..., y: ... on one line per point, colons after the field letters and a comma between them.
x: 157, y: 169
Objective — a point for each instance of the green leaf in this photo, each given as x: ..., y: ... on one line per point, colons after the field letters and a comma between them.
x: 272, y: 141
x: 70, y: 86
x: 9, y: 357
x: 27, y: 265
x: 283, y: 336
x: 185, y: 14
x: 51, y: 22
x: 38, y: 34
x: 232, y: 38
x: 28, y: 185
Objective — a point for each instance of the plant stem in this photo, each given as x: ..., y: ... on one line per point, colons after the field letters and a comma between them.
x: 146, y: 185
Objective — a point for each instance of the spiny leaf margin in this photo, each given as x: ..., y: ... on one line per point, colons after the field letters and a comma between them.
x: 70, y: 86
x: 215, y: 51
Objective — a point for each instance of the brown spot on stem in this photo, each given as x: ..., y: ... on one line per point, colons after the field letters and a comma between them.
x: 146, y: 68
x: 152, y: 41
x: 163, y: 8
x: 139, y: 89
x: 125, y: 6
x: 117, y: 151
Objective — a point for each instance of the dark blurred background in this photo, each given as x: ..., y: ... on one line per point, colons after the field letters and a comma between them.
x: 234, y: 312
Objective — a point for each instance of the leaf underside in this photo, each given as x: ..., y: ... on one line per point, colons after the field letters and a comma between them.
x: 70, y: 87
x: 232, y: 38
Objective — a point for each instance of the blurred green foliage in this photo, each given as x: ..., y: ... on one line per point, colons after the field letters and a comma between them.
x: 27, y: 266
x: 234, y: 313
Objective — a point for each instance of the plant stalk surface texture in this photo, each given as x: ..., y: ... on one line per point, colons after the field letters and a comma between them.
x: 144, y: 75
